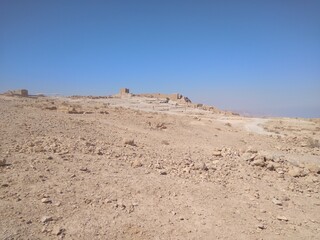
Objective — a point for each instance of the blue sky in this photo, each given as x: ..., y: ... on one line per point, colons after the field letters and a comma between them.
x: 260, y: 57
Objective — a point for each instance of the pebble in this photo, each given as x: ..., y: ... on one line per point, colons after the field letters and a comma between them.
x: 217, y: 153
x: 258, y: 162
x: 163, y: 172
x: 46, y: 219
x: 248, y: 156
x: 46, y: 200
x: 57, y: 230
x: 136, y: 163
x: 84, y: 169
x: 204, y: 167
x: 3, y: 162
x: 282, y: 218
x: 270, y: 166
x: 295, y: 172
x: 277, y: 202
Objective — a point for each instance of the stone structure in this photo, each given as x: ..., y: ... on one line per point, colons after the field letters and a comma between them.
x: 173, y: 97
x: 124, y: 91
x: 20, y: 92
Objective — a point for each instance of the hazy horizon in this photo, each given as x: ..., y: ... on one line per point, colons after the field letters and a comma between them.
x: 261, y: 58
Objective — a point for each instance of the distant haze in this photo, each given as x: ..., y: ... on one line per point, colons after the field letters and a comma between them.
x: 256, y: 57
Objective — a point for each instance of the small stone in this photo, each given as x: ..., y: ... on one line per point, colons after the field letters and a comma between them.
x: 204, y: 167
x: 57, y: 230
x: 217, y: 153
x: 50, y: 158
x: 259, y: 162
x: 136, y: 163
x: 46, y: 200
x: 248, y: 156
x: 295, y: 172
x: 270, y: 166
x: 261, y: 226
x: 163, y: 172
x: 277, y: 202
x: 46, y: 219
x: 251, y: 150
x: 313, y: 168
x: 3, y: 162
x: 282, y: 218
x: 84, y: 169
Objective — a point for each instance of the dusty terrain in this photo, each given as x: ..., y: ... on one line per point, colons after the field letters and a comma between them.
x: 144, y: 168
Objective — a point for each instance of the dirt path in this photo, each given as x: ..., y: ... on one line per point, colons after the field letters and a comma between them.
x: 254, y: 125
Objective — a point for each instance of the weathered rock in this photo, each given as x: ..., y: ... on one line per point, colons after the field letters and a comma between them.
x: 313, y: 168
x: 295, y: 172
x: 259, y: 161
x: 248, y: 156
x: 46, y: 219
x: 136, y: 163
x: 217, y: 153
x: 50, y: 108
x: 282, y: 218
x: 204, y: 167
x: 46, y: 200
x: 271, y: 166
x: 162, y: 172
x: 261, y: 226
x: 3, y: 162
x: 57, y: 230
x: 277, y: 202
x: 251, y: 150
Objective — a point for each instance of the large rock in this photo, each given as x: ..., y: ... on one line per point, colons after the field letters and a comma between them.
x: 295, y: 172
x: 259, y: 161
x: 314, y: 168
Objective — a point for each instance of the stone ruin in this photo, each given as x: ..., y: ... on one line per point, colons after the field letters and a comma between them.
x: 124, y: 91
x: 173, y: 97
x: 19, y: 92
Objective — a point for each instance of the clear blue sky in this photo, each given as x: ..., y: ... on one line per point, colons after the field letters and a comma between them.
x: 261, y: 57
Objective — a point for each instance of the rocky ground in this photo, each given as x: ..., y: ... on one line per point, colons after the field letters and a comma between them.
x: 143, y: 168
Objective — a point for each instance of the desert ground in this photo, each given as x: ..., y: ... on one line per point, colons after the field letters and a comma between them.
x: 148, y: 168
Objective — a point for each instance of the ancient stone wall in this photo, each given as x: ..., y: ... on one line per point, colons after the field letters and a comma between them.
x: 19, y: 92
x: 124, y: 91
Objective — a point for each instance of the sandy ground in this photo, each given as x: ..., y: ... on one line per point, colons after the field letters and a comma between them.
x: 143, y: 168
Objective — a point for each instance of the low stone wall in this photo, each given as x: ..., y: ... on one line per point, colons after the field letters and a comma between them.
x: 19, y: 92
